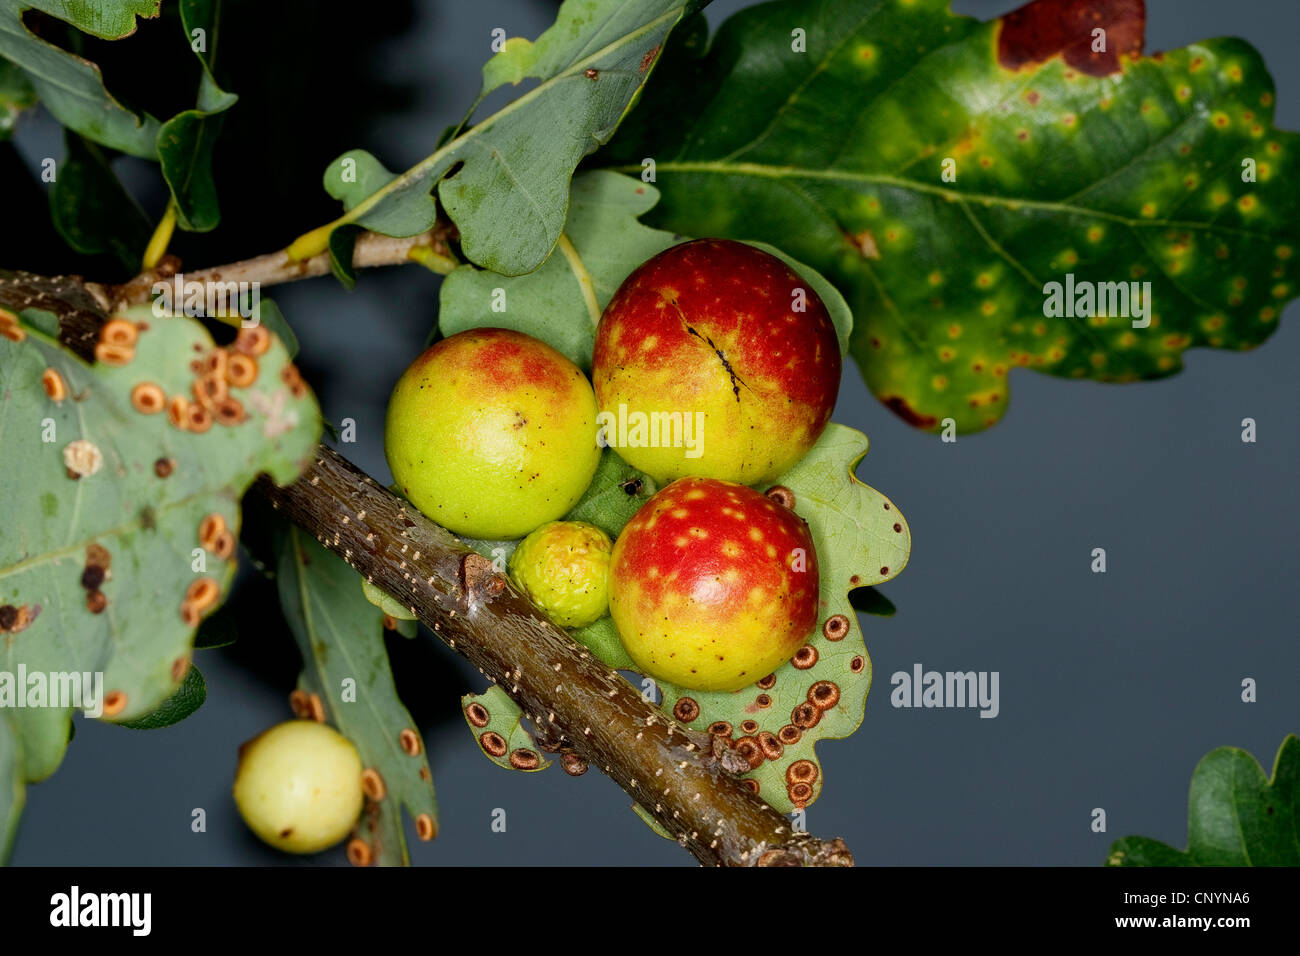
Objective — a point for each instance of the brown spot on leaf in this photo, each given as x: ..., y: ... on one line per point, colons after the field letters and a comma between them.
x: 804, y: 658
x: 799, y: 793
x: 372, y: 784
x: 770, y: 745
x: 359, y: 853
x: 899, y: 406
x: 300, y: 704
x: 748, y: 749
x: 863, y: 243
x: 425, y: 828
x: 241, y: 370
x: 824, y: 694
x: 253, y: 341
x: 806, y: 716
x: 801, y: 771
x: 410, y: 742
x: 14, y: 619
x: 92, y: 576
x: 686, y: 710
x: 119, y: 331
x: 477, y: 714
x: 201, y: 593
x: 55, y: 388
x: 573, y: 765
x: 224, y: 545
x: 782, y: 496
x: 521, y: 758
x: 1043, y: 29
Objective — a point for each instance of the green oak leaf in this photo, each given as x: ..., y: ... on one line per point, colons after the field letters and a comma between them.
x: 269, y: 314
x: 1236, y: 816
x: 837, y: 152
x: 91, y: 209
x: 513, y: 167
x: 601, y: 638
x: 340, y: 636
x: 617, y: 492
x: 189, y: 697
x: 13, y: 784
x: 147, y: 525
x: 560, y: 303
x: 186, y: 141
x: 603, y: 242
x: 16, y: 95
x: 70, y: 87
x: 497, y: 724
x: 218, y: 629
x: 389, y: 605
x: 650, y: 821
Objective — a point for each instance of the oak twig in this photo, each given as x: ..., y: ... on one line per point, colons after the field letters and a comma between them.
x: 371, y: 249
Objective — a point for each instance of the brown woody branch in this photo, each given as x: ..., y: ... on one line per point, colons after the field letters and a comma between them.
x: 581, y: 708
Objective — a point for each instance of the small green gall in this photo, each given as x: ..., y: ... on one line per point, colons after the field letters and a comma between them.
x: 564, y: 567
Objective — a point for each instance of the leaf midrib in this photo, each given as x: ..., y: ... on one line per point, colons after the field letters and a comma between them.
x: 343, y: 648
x: 769, y: 171
x: 135, y: 524
x: 431, y: 162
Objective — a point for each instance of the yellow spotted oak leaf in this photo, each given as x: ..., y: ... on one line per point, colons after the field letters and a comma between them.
x: 944, y: 173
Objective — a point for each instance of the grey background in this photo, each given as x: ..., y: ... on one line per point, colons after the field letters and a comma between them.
x: 1113, y: 686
